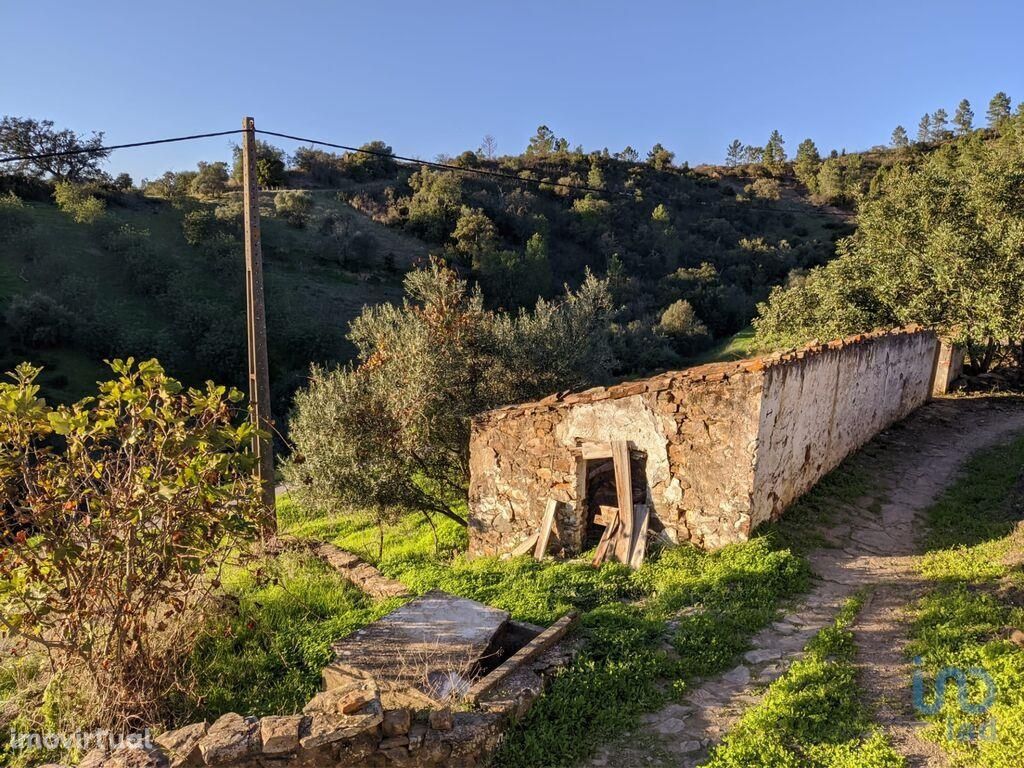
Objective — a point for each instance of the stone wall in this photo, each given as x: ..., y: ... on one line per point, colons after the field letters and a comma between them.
x: 724, y: 446
x: 347, y: 727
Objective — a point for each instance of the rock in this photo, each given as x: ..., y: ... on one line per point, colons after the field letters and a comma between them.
x: 1017, y: 638
x: 738, y: 676
x: 135, y: 757
x: 417, y: 733
x: 356, y: 700
x: 344, y: 700
x: 280, y: 735
x: 670, y: 726
x: 230, y: 739
x: 397, y: 722
x: 182, y: 745
x: 762, y: 655
x: 328, y: 727
x: 93, y: 759
x: 394, y: 742
x: 441, y: 720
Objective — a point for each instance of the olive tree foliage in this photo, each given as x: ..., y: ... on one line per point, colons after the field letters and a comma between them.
x: 941, y: 245
x: 24, y: 136
x: 116, y: 513
x: 391, y: 432
x: 294, y: 206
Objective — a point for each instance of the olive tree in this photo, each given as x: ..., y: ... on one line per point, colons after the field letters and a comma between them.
x: 391, y: 432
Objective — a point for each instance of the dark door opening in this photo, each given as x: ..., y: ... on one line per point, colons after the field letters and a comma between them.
x: 602, y: 493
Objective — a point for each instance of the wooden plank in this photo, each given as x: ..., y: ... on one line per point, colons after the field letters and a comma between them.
x: 605, y: 515
x: 624, y: 489
x: 641, y: 521
x: 524, y: 655
x: 592, y: 451
x: 606, y: 539
x: 526, y: 545
x: 544, y: 537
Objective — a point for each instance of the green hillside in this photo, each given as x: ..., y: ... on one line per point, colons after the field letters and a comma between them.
x: 160, y: 272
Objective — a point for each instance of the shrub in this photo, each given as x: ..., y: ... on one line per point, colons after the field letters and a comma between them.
x: 117, y: 510
x: 294, y: 206
x: 14, y: 217
x: 680, y: 322
x: 75, y: 200
x: 37, y: 320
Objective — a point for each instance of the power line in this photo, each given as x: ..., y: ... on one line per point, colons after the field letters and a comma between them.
x: 110, y: 148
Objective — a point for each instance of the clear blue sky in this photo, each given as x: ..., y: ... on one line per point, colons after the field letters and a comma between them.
x: 433, y: 77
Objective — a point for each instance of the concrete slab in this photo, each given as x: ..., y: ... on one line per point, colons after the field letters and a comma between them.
x: 431, y: 645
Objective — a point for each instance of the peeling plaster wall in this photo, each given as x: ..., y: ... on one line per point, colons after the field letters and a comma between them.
x: 728, y: 446
x: 828, y: 402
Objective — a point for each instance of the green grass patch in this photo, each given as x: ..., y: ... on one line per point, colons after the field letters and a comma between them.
x: 964, y: 623
x: 266, y: 655
x: 625, y: 668
x: 811, y: 717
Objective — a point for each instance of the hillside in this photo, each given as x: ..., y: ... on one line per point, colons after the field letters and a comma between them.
x: 162, y: 276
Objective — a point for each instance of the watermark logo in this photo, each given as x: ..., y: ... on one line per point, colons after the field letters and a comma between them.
x: 79, y: 740
x: 963, y: 678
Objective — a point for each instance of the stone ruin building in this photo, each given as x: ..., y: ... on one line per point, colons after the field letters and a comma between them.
x: 713, y: 451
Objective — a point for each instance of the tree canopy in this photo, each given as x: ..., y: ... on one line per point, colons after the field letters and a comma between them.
x: 24, y: 136
x: 941, y: 244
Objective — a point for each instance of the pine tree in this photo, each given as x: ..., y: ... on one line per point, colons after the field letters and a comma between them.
x: 924, y: 130
x: 734, y: 153
x: 940, y: 121
x: 806, y: 164
x: 998, y: 109
x: 899, y: 139
x: 964, y: 118
x: 774, y: 157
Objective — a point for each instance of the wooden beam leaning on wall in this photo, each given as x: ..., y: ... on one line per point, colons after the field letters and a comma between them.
x: 544, y: 536
x: 624, y: 489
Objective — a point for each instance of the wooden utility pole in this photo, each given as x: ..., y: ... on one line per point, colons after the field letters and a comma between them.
x: 259, y: 374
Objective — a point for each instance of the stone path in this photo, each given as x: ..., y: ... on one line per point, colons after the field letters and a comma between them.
x: 873, y: 544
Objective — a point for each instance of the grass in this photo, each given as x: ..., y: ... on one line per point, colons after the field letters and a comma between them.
x: 964, y: 622
x: 265, y: 655
x: 812, y: 716
x: 738, y: 346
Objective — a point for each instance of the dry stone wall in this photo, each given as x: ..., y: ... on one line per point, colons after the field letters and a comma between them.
x: 725, y: 447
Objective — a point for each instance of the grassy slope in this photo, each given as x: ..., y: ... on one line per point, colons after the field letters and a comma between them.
x: 965, y: 622
x: 59, y: 251
x: 632, y: 662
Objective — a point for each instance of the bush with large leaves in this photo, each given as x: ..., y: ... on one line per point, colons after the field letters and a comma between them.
x: 117, y: 512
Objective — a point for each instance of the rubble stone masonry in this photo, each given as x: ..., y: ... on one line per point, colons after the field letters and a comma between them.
x: 724, y: 447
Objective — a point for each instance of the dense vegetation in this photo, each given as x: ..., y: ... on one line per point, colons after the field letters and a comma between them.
x: 938, y: 242
x: 96, y: 267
